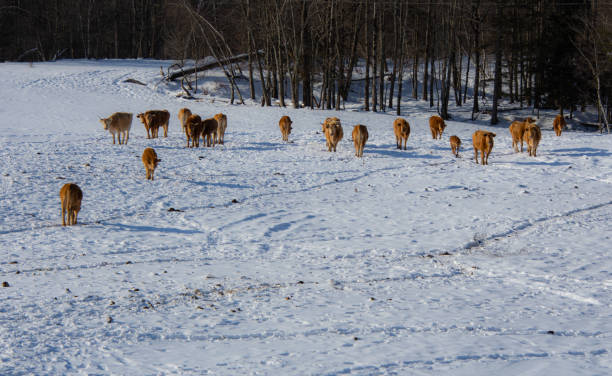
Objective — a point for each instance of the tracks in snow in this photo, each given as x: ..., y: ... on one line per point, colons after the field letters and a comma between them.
x: 529, y: 224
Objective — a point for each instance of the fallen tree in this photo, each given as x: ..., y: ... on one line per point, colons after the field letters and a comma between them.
x: 214, y: 64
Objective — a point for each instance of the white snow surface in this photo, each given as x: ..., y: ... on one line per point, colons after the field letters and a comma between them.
x: 403, y: 262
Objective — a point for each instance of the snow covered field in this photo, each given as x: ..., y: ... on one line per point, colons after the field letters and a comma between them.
x: 405, y: 262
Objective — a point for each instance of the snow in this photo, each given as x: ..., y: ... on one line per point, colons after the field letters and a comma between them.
x: 403, y: 262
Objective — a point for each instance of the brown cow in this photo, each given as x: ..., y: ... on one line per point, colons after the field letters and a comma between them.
x: 285, y: 127
x: 183, y: 115
x: 533, y: 135
x: 163, y: 118
x: 517, y: 130
x: 559, y: 124
x: 329, y: 120
x: 70, y: 196
x: 221, y: 127
x: 455, y: 143
x: 436, y: 125
x: 145, y: 119
x: 529, y: 119
x: 333, y: 133
x: 149, y: 159
x: 120, y: 123
x: 194, y: 130
x: 145, y: 122
x: 401, y: 128
x: 483, y: 141
x: 153, y: 119
x: 360, y: 137
x: 209, y: 131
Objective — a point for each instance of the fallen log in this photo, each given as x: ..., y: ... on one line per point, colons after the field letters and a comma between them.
x: 210, y: 65
x: 592, y: 126
x: 133, y: 81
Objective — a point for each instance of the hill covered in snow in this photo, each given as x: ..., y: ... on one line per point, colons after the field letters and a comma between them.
x: 267, y: 257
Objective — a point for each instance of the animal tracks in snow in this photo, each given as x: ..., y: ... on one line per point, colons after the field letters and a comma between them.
x: 529, y: 224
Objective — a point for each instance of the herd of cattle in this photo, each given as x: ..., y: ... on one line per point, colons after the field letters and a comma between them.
x: 212, y: 131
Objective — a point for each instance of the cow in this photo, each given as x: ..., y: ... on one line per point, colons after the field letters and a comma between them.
x: 153, y: 119
x: 119, y: 123
x: 329, y: 120
x: 193, y: 126
x: 455, y: 143
x: 150, y: 161
x: 221, y: 127
x: 183, y: 115
x: 285, y: 127
x: 483, y: 141
x: 333, y: 133
x: 360, y: 137
x: 401, y: 128
x: 533, y: 135
x: 209, y: 131
x: 517, y: 130
x: 70, y: 196
x: 559, y: 124
x: 436, y: 125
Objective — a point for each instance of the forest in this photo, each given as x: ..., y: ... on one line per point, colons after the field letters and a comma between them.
x: 307, y: 53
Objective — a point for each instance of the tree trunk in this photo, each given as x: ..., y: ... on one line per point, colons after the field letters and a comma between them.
x: 415, y: 77
x: 600, y: 108
x: 366, y: 86
x: 476, y: 36
x: 297, y: 49
x: 274, y: 78
x: 498, y: 62
x: 374, y: 60
x: 353, y: 58
x: 539, y: 76
x: 467, y: 75
x: 339, y: 77
x: 457, y: 79
x: 396, y: 33
x: 116, y: 30
x: 432, y: 78
x: 306, y: 58
x: 381, y: 59
x: 446, y: 83
x: 246, y: 11
x: 278, y: 59
x: 427, y: 50
x: 265, y: 99
x: 400, y: 74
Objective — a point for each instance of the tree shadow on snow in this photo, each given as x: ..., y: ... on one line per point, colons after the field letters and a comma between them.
x: 124, y: 227
x: 216, y: 184
x: 578, y: 152
x: 397, y: 153
x: 169, y: 147
x: 259, y: 146
x: 441, y: 148
x: 534, y: 163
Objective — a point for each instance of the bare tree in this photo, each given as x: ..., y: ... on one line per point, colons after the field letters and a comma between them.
x: 498, y: 61
x: 318, y: 44
x: 476, y: 29
x: 217, y: 46
x: 593, y: 44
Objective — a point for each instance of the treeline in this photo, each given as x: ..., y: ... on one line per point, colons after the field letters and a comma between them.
x: 541, y: 53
